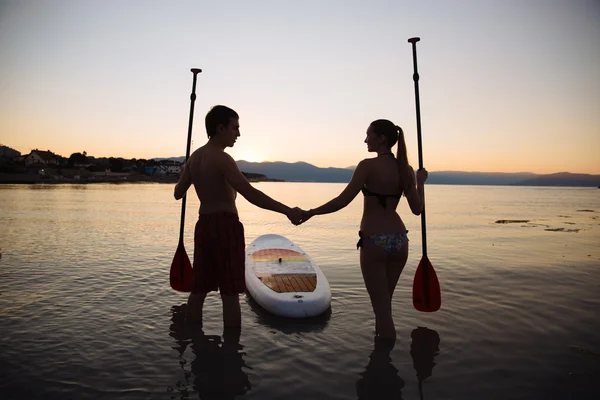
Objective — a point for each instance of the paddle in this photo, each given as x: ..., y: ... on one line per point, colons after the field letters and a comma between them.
x: 426, y: 287
x: 182, y: 275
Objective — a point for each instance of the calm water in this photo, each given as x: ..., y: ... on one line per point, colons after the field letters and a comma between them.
x: 86, y: 311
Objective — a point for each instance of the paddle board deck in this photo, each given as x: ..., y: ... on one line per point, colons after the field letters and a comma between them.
x: 284, y: 280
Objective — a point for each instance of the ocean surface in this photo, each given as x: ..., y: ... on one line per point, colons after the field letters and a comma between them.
x: 86, y: 310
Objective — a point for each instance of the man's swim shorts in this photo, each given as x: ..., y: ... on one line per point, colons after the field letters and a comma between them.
x: 219, y: 254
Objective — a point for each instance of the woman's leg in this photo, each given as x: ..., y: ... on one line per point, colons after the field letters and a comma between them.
x: 394, y: 267
x: 373, y: 266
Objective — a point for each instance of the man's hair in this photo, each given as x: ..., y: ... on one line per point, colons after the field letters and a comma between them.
x: 218, y: 115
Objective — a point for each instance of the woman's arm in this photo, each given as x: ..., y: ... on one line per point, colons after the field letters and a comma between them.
x: 359, y: 178
x: 416, y: 194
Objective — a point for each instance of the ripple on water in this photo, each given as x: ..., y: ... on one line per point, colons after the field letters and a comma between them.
x: 87, y: 311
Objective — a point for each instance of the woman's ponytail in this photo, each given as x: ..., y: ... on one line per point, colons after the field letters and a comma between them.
x: 407, y: 179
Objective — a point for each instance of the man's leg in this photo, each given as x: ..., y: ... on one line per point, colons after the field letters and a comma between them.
x: 232, y: 280
x: 194, y: 308
x: 232, y: 315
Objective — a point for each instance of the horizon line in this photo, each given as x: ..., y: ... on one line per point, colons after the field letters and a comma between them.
x: 337, y: 167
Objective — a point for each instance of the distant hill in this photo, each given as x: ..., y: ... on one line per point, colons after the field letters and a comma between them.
x: 477, y: 178
x: 296, y: 172
x: 179, y: 159
x: 562, y: 179
x: 304, y: 172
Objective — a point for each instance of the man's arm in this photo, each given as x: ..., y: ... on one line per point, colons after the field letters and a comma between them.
x: 240, y: 184
x: 185, y: 180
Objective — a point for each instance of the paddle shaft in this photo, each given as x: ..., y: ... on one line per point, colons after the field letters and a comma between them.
x: 424, y: 260
x: 414, y: 41
x: 195, y: 71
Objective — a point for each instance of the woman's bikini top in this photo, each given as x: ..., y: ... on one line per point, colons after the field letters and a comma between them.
x: 381, y: 197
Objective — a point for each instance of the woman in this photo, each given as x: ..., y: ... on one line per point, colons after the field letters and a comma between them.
x: 383, y: 236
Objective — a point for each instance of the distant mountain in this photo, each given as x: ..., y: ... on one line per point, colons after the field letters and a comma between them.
x: 477, y: 178
x: 514, y: 178
x: 179, y: 159
x: 296, y: 172
x: 304, y: 172
x: 562, y: 179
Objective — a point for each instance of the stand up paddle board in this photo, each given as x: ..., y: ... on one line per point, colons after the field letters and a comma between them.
x: 283, y: 279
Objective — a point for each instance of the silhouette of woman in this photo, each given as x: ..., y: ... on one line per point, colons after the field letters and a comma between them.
x: 380, y: 379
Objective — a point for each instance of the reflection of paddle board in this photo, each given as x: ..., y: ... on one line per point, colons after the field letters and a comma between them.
x: 283, y: 279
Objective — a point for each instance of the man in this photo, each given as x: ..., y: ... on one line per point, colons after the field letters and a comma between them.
x: 219, y: 252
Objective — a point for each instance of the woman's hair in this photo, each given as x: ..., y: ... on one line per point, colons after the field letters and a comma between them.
x: 394, y: 134
x: 218, y: 115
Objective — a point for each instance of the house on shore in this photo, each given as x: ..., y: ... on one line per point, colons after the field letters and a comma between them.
x: 163, y: 168
x: 41, y: 158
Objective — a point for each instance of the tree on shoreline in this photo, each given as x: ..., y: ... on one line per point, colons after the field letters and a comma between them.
x: 77, y: 159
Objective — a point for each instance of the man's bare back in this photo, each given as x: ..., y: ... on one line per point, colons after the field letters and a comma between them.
x: 204, y: 169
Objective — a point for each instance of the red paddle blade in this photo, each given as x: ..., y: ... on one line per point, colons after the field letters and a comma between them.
x: 427, y: 296
x: 182, y: 274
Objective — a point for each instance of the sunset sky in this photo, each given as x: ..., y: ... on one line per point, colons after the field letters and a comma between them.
x: 505, y: 85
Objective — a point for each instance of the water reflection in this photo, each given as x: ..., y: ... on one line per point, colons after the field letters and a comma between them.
x: 217, y: 367
x: 289, y: 325
x: 380, y: 379
x: 41, y: 186
x: 423, y: 349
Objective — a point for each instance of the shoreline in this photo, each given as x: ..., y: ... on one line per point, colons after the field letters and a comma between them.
x: 30, y: 179
x: 37, y: 179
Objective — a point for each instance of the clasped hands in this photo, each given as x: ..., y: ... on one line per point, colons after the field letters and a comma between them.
x: 299, y: 216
